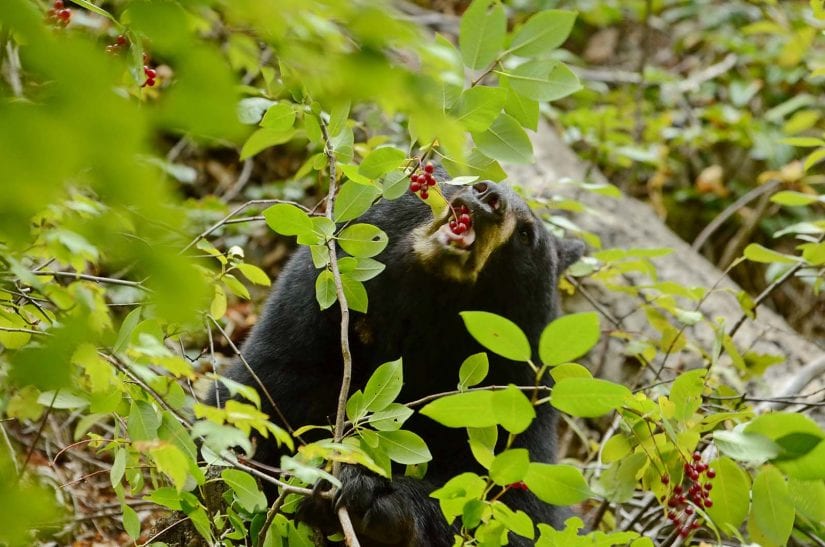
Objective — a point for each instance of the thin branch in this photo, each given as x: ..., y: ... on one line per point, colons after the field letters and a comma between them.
x: 234, y: 212
x: 270, y: 517
x: 255, y: 377
x: 770, y: 288
x: 729, y: 211
x: 115, y: 362
x: 159, y: 534
x: 243, y: 178
x: 37, y: 436
x: 98, y: 279
x: 346, y: 527
x: 434, y: 396
x: 346, y: 354
x: 23, y: 331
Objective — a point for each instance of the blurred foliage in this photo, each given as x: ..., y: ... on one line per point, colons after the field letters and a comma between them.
x: 128, y: 127
x: 694, y: 105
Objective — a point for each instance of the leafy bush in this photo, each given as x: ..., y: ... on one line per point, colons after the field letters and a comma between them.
x: 117, y: 276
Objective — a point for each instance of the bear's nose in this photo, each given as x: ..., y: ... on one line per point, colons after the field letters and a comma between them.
x: 489, y: 196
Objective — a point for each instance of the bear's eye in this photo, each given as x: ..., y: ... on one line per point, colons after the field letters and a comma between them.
x: 525, y: 232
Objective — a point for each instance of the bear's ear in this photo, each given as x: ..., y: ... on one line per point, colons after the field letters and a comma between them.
x: 570, y: 250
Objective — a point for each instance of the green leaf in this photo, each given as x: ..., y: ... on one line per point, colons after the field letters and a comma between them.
x: 254, y: 274
x: 803, y: 142
x: 167, y: 497
x: 543, y: 80
x: 556, y: 484
x: 172, y: 462
x: 383, y: 386
x: 744, y: 446
x: 288, y: 220
x: 264, y: 138
x: 143, y: 422
x: 354, y: 200
x: 404, y: 447
x: 471, y: 409
x: 479, y: 106
x: 118, y: 467
x: 246, y: 489
x: 772, y: 511
x: 481, y: 33
x: 505, y: 141
x: 814, y: 157
x: 365, y: 269
x: 757, y: 253
x: 473, y: 370
x: 325, y: 292
x: 279, y: 117
x: 355, y: 293
x: 510, y: 466
x: 235, y: 286
x: 794, y: 199
x: 568, y: 338
x: 730, y: 495
x: 381, y: 161
x: 217, y: 308
x: 686, y: 393
x: 513, y: 409
x: 808, y: 498
x: 390, y: 418
x: 588, y: 397
x: 394, y: 185
x: 524, y: 110
x: 498, y: 334
x: 131, y: 522
x: 543, y: 32
x: 518, y: 522
x: 362, y: 240
x: 126, y: 328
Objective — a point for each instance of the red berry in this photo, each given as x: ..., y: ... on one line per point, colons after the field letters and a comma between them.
x: 678, y: 489
x: 429, y: 168
x: 518, y: 485
x: 689, y: 510
x: 708, y: 486
x: 708, y: 503
x: 684, y: 532
x: 424, y: 194
x: 414, y: 177
x: 697, y: 456
x: 695, y: 524
x: 701, y: 467
x: 120, y: 40
x: 672, y: 502
x: 64, y: 15
x: 711, y: 473
x: 415, y: 187
x: 671, y: 515
x: 58, y: 4
x: 465, y: 218
x: 665, y: 478
x: 150, y: 82
x: 150, y: 73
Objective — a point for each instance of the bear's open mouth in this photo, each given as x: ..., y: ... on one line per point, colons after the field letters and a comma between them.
x: 457, y: 232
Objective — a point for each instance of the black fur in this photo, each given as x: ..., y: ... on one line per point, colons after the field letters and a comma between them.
x: 414, y: 313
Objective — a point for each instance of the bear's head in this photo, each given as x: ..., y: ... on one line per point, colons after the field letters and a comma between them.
x: 504, y: 235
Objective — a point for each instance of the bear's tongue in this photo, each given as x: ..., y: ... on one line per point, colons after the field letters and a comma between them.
x: 449, y: 238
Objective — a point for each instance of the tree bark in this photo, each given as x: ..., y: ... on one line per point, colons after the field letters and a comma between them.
x: 625, y: 222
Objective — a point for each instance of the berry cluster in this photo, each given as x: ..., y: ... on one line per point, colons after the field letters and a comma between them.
x: 461, y: 221
x: 117, y: 45
x: 520, y: 485
x: 682, y: 502
x: 422, y: 180
x: 151, y: 75
x: 59, y: 14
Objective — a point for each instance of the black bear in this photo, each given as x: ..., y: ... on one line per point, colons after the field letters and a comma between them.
x: 507, y: 263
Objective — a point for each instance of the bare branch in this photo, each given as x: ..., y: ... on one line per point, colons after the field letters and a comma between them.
x: 98, y: 279
x: 234, y: 212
